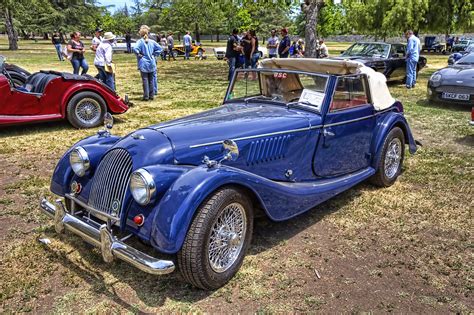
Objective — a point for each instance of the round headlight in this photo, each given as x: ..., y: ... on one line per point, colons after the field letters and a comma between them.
x: 142, y: 186
x: 79, y: 161
x: 436, y: 77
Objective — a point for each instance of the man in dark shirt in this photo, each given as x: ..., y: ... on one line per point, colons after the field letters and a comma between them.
x: 285, y: 44
x: 232, y: 52
x: 128, y: 40
x: 56, y: 39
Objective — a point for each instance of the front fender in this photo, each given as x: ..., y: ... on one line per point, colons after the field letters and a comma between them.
x: 95, y: 146
x: 391, y: 120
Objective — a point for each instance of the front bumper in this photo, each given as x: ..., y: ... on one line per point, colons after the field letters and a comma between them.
x: 102, y: 237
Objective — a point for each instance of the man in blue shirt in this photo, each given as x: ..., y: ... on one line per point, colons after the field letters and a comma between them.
x: 285, y: 44
x: 412, y: 56
x: 187, y: 41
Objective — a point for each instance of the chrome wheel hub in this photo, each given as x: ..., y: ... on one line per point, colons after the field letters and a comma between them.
x: 227, y: 237
x: 393, y: 158
x: 88, y: 111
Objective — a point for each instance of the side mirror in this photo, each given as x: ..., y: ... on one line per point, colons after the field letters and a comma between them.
x: 108, y: 121
x: 231, y: 150
x: 342, y: 51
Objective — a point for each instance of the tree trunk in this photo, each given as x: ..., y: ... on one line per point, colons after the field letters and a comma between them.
x: 311, y: 10
x: 217, y: 36
x: 12, y: 34
x: 196, y: 29
x: 45, y: 35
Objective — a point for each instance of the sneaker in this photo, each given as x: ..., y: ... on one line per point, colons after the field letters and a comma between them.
x: 144, y: 99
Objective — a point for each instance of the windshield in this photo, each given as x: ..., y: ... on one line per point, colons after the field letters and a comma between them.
x: 279, y: 86
x: 368, y: 50
x: 2, y: 63
x: 466, y: 60
x: 463, y: 42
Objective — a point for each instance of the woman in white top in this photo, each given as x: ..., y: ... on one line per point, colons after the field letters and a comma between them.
x: 103, y: 60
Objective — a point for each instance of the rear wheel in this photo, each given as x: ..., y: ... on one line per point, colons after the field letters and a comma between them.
x: 391, y: 160
x: 217, y: 240
x: 86, y: 110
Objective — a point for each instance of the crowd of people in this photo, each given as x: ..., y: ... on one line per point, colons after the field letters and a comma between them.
x: 242, y: 50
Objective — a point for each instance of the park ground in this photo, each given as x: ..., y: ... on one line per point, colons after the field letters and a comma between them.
x: 403, y: 249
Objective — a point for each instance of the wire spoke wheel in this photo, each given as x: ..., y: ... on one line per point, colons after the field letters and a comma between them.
x: 393, y: 157
x: 227, y: 237
x: 88, y: 111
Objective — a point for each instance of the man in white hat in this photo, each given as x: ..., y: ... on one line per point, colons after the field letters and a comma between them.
x: 103, y: 60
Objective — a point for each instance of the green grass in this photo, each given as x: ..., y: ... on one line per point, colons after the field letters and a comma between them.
x: 407, y: 248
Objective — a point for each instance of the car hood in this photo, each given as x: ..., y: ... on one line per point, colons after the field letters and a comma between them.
x: 202, y: 134
x: 458, y: 75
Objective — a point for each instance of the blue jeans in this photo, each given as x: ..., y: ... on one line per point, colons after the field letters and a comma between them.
x: 129, y: 47
x: 106, y: 77
x: 59, y: 51
x: 148, y: 79
x: 155, y: 83
x: 411, y: 72
x: 80, y: 63
x: 231, y: 62
x: 187, y: 52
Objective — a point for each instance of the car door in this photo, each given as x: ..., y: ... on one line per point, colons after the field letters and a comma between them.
x: 17, y: 103
x: 398, y: 62
x: 344, y: 143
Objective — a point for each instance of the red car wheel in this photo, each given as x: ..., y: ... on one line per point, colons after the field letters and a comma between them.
x: 86, y: 110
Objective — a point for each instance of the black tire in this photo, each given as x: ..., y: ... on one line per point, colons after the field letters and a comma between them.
x: 385, y: 175
x: 174, y: 53
x: 194, y: 260
x: 86, y: 110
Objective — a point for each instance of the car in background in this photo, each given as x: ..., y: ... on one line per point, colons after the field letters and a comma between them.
x: 458, y: 55
x: 219, y: 52
x: 385, y: 58
x: 431, y: 44
x: 462, y: 45
x: 289, y: 136
x: 455, y: 83
x: 50, y: 95
x: 196, y: 51
x: 120, y: 45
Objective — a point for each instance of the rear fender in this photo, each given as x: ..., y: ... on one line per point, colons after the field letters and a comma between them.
x: 393, y: 119
x: 95, y: 146
x: 114, y: 103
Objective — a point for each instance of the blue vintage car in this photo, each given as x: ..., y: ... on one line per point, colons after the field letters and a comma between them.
x: 289, y: 136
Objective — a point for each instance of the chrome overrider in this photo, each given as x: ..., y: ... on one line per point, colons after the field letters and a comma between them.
x: 102, y: 237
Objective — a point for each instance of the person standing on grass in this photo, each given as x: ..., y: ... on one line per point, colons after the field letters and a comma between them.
x: 272, y: 44
x: 97, y: 39
x: 103, y: 60
x: 187, y: 41
x: 232, y: 52
x: 128, y: 40
x: 285, y: 44
x: 146, y: 49
x: 56, y: 39
x: 170, y: 42
x: 412, y: 56
x: 164, y: 45
x: 78, y: 60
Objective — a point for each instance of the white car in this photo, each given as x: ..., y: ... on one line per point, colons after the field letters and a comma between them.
x: 219, y: 52
x: 120, y: 45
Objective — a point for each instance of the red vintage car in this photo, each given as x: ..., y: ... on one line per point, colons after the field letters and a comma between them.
x: 51, y: 95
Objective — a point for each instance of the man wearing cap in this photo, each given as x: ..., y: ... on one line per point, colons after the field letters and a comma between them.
x: 285, y: 44
x: 103, y: 60
x: 97, y: 38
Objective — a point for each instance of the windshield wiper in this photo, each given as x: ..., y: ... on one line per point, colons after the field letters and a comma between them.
x: 259, y: 96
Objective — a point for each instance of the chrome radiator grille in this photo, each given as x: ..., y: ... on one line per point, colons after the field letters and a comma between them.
x: 110, y: 182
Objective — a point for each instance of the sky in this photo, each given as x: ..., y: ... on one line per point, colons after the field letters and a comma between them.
x: 118, y: 3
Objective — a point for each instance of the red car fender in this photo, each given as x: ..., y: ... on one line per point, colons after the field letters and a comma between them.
x: 114, y: 103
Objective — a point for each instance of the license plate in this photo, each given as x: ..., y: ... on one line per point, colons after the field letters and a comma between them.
x: 455, y: 96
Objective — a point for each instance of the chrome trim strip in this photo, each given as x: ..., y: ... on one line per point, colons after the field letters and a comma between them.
x: 111, y: 247
x: 348, y: 121
x: 88, y: 208
x: 257, y: 136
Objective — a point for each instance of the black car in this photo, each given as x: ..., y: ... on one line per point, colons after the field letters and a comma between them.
x: 455, y: 83
x: 388, y: 59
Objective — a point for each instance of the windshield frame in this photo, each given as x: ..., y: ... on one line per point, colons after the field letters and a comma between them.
x: 258, y: 71
x: 368, y: 43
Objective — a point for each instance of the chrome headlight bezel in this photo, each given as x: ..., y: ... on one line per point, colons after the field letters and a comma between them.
x: 142, y: 186
x: 435, y: 77
x: 79, y: 161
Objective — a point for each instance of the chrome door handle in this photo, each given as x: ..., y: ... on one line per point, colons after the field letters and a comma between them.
x: 328, y: 133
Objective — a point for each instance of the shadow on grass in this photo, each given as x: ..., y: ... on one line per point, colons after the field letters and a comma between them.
x: 442, y: 105
x: 155, y: 291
